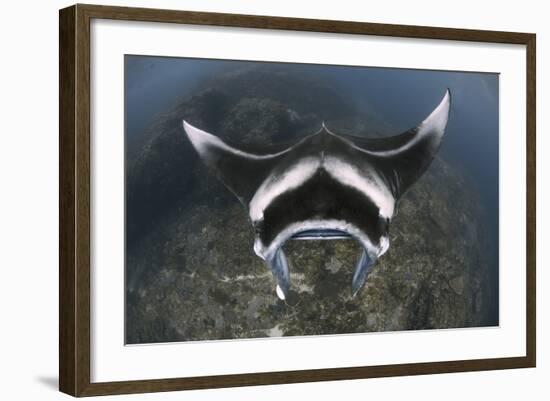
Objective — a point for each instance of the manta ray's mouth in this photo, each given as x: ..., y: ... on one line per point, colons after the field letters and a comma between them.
x: 321, y: 234
x: 279, y: 266
x: 316, y: 230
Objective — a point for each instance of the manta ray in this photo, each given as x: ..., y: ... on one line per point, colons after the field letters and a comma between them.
x: 325, y: 186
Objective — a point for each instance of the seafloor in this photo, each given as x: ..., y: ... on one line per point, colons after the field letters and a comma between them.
x: 191, y: 273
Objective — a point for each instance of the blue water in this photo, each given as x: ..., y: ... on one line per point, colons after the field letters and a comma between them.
x: 153, y: 85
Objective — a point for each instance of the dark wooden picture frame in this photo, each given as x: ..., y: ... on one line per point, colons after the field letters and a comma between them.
x: 74, y: 200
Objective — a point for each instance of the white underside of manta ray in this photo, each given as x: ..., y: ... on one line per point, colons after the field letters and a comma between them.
x: 326, y: 186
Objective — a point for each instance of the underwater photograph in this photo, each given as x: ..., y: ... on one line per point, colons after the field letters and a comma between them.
x: 267, y: 199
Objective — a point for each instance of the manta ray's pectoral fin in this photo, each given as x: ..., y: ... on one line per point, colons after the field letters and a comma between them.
x: 404, y: 158
x: 241, y: 172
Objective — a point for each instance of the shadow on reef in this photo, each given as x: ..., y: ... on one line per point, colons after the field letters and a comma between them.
x: 191, y: 270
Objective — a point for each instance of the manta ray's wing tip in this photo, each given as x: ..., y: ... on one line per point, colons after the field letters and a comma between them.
x: 186, y: 126
x: 448, y: 96
x: 446, y: 100
x: 190, y: 129
x: 199, y: 139
x: 445, y: 104
x: 436, y: 121
x: 191, y: 132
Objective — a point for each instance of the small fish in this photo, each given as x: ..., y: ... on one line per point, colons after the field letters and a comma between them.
x: 326, y: 186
